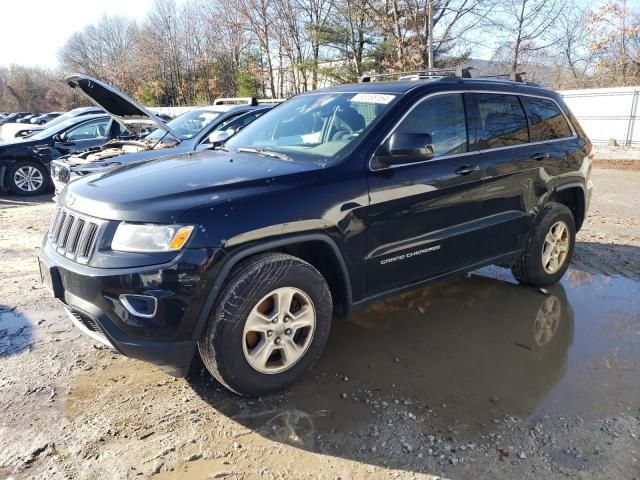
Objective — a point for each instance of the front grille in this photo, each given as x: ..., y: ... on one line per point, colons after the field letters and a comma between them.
x: 73, y: 235
x: 91, y: 326
x: 87, y: 322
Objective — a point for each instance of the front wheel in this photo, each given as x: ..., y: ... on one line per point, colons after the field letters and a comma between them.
x: 270, y: 324
x: 549, y: 248
x: 28, y: 178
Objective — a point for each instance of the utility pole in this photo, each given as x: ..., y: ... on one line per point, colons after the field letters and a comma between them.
x: 430, y: 31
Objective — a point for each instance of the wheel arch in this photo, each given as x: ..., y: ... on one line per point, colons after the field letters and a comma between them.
x: 310, y: 247
x: 572, y: 195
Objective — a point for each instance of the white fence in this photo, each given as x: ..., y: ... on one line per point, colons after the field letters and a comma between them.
x: 606, y: 113
x: 171, y: 111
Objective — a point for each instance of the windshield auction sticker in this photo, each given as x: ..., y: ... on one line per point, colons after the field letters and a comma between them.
x: 372, y: 98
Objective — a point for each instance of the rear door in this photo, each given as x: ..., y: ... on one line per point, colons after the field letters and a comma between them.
x: 550, y: 126
x: 518, y: 172
x: 423, y: 215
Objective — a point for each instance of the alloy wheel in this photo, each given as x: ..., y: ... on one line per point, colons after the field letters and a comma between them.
x: 28, y: 178
x: 279, y: 330
x: 556, y: 247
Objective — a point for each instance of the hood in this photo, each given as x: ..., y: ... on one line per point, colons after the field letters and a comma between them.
x: 161, y: 190
x: 118, y: 105
x: 24, y: 142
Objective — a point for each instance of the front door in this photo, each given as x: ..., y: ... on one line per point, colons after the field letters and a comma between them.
x: 86, y: 135
x: 423, y: 215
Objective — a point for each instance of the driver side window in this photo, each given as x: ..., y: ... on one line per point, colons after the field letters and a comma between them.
x: 442, y: 117
x: 89, y: 130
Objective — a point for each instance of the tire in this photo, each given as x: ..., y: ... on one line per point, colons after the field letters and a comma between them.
x: 535, y: 266
x: 238, y: 329
x: 28, y: 178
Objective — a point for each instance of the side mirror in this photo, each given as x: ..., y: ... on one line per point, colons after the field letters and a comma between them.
x: 406, y: 148
x: 219, y: 136
x: 59, y: 138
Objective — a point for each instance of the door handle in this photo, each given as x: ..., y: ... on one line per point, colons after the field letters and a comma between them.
x: 467, y: 169
x: 540, y: 156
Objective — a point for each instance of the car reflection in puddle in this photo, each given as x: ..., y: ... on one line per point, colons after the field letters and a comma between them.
x: 456, y: 357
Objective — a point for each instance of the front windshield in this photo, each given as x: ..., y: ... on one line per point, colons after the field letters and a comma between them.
x: 319, y: 125
x: 187, y: 125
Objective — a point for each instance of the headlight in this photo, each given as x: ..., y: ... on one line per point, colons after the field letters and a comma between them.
x: 131, y: 237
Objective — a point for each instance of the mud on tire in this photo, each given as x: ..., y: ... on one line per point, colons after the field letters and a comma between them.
x: 259, y: 289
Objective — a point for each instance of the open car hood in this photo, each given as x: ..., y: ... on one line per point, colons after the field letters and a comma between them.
x: 118, y: 105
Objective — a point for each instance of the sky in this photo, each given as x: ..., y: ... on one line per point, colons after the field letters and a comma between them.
x: 32, y: 31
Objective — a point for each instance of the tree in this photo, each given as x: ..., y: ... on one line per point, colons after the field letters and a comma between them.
x: 106, y: 50
x: 615, y: 33
x: 575, y: 57
x: 34, y: 89
x: 403, y: 25
x: 526, y: 27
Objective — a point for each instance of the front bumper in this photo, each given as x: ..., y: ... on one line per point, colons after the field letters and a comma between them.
x: 92, y: 300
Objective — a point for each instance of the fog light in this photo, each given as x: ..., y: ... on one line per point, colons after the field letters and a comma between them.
x: 144, y: 306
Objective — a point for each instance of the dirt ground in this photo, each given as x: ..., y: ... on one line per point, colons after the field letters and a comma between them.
x: 472, y: 378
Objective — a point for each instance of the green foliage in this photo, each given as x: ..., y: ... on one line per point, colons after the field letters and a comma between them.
x: 247, y: 79
x: 146, y: 95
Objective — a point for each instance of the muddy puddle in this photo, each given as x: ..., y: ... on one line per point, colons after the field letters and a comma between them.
x: 460, y: 357
x: 21, y: 331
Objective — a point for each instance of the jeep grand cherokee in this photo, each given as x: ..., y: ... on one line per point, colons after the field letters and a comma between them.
x: 329, y: 201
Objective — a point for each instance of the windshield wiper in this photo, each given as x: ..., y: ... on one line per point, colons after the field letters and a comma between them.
x: 266, y: 153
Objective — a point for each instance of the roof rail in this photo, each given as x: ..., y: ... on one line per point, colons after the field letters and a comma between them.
x: 438, y: 73
x: 235, y: 101
x: 429, y: 73
x: 512, y: 77
x: 271, y: 100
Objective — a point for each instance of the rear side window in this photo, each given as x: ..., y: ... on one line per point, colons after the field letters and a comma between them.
x: 502, y: 121
x: 547, y: 121
x: 441, y: 116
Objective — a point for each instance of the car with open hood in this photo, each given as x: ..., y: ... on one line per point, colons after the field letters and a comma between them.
x: 24, y: 162
x: 194, y: 130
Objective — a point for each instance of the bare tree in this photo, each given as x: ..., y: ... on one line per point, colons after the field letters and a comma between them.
x: 576, y: 58
x: 105, y: 50
x: 526, y: 26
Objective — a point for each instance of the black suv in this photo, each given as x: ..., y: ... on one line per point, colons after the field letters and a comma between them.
x: 329, y: 201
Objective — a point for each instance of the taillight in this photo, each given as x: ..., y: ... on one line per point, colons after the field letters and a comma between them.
x: 591, y: 151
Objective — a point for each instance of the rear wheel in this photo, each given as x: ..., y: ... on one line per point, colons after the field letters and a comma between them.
x: 28, y: 178
x: 270, y: 325
x: 549, y: 248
